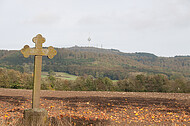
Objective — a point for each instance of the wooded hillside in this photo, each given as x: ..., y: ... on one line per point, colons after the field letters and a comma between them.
x: 101, y: 63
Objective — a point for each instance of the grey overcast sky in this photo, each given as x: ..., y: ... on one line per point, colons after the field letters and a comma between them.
x: 161, y: 27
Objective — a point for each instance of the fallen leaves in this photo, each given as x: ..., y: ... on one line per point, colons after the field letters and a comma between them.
x: 90, y: 110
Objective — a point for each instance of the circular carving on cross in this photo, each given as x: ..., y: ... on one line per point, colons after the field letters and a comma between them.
x: 38, y: 40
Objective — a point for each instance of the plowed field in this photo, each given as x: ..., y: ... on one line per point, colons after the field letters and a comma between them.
x: 99, y: 108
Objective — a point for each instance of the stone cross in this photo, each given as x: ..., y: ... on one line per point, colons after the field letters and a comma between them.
x: 38, y: 52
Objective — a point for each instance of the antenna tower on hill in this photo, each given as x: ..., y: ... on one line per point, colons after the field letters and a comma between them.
x: 89, y: 39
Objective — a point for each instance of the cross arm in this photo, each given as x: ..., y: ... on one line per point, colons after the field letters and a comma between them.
x: 27, y: 51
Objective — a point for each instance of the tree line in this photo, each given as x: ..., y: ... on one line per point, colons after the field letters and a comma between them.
x: 135, y: 83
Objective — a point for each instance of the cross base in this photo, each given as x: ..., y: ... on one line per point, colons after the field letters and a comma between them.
x: 35, y: 117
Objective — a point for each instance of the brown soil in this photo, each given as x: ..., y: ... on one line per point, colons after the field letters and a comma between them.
x: 100, y: 108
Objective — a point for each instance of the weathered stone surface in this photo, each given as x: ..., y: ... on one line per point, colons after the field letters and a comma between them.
x: 38, y: 52
x: 37, y: 82
x: 35, y: 117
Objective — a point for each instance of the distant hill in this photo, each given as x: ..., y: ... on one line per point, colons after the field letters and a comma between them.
x: 100, y: 62
x: 110, y: 51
